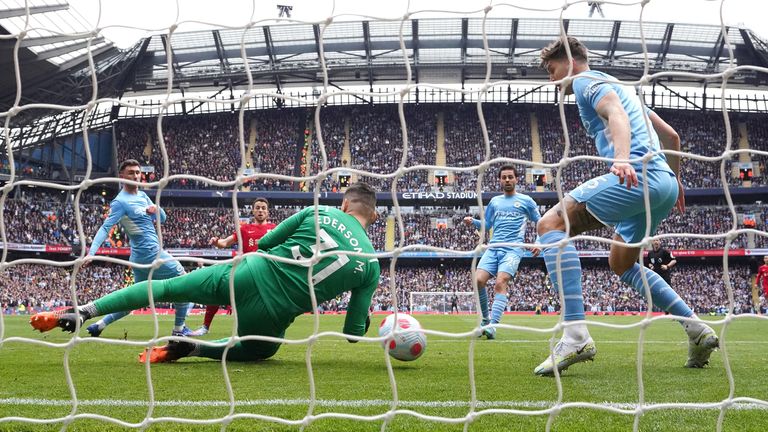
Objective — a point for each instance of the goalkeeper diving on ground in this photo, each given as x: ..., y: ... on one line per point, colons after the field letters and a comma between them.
x: 269, y: 294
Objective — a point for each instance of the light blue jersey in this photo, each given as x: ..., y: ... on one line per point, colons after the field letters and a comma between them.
x: 643, y: 139
x: 130, y: 211
x: 507, y: 216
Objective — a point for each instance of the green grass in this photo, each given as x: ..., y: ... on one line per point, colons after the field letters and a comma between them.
x: 353, y: 379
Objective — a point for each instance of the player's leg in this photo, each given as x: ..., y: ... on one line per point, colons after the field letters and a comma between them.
x: 206, y: 286
x: 509, y: 262
x: 167, y: 270
x: 210, y: 312
x: 253, y: 320
x: 95, y: 329
x: 624, y: 262
x: 486, y: 269
x: 564, y: 268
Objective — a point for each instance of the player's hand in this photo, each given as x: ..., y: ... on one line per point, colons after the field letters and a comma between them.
x: 535, y: 251
x: 626, y: 174
x: 664, y: 267
x: 650, y: 266
x: 214, y: 241
x: 151, y: 209
x: 468, y: 220
x: 680, y: 204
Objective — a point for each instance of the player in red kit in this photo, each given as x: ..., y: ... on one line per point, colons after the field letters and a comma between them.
x: 762, y: 276
x: 251, y: 234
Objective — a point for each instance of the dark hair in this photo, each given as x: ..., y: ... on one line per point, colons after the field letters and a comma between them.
x: 361, y: 194
x: 128, y: 163
x: 261, y: 199
x: 556, y: 51
x: 507, y: 168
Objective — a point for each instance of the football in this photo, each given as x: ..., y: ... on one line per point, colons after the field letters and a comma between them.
x: 405, y: 346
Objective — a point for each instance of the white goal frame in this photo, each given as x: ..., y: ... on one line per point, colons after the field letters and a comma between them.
x: 466, y: 298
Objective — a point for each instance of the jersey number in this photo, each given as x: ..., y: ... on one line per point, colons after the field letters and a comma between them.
x: 326, y: 243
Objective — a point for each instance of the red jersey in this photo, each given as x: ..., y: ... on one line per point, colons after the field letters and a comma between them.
x: 762, y: 275
x: 252, y: 233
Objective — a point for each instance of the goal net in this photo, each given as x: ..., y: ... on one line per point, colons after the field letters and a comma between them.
x: 443, y: 302
x: 478, y: 62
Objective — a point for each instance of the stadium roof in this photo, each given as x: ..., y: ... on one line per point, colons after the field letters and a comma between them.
x: 54, y: 67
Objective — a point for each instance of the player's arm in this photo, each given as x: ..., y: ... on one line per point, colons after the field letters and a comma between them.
x: 670, y: 140
x: 284, y: 230
x: 489, y: 212
x: 116, y: 212
x: 222, y: 243
x: 154, y: 210
x: 534, y: 216
x: 357, y: 321
x: 672, y: 261
x: 609, y: 107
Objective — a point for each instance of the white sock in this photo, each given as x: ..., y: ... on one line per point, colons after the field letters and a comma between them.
x: 693, y: 329
x: 575, y: 334
x: 178, y: 328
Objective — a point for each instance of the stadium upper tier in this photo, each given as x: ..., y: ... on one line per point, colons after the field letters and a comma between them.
x: 369, y: 138
x: 363, y: 53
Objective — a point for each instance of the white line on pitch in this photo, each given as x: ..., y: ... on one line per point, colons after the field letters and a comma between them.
x: 357, y: 403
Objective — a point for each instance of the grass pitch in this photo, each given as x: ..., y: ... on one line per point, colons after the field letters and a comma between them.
x: 351, y: 380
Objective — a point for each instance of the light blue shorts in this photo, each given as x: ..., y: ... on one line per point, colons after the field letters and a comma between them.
x: 500, y: 260
x: 167, y: 270
x: 614, y: 205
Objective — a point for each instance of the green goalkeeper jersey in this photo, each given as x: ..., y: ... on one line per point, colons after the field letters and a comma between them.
x: 284, y: 287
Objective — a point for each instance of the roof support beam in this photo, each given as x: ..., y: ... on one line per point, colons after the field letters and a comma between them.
x: 717, y: 50
x: 693, y: 103
x: 46, y: 40
x: 415, y: 47
x: 11, y: 13
x: 79, y: 59
x: 368, y: 59
x: 614, y: 40
x: 665, y: 42
x: 464, y: 37
x: 169, y: 52
x: 272, y: 62
x: 55, y: 52
x: 220, y: 51
x: 513, y: 40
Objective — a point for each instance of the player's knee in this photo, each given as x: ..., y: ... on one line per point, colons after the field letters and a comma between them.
x: 619, y: 267
x: 261, y: 350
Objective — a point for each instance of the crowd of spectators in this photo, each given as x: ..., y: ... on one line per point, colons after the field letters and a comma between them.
x: 376, y: 143
x: 209, y: 145
x: 45, y: 216
x: 509, y: 135
x: 28, y: 286
x: 700, y: 134
x: 702, y: 286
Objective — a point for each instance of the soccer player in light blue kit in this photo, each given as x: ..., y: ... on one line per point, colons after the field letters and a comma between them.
x: 507, y: 215
x: 614, y: 117
x: 134, y: 210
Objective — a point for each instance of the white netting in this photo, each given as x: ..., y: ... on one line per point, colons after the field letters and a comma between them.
x: 475, y: 407
x: 442, y: 302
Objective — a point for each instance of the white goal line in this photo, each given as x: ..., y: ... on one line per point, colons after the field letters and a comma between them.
x: 367, y: 403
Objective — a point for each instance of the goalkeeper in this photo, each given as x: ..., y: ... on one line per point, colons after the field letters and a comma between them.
x: 269, y: 294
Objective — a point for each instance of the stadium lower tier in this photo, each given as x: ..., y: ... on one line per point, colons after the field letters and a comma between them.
x: 27, y: 287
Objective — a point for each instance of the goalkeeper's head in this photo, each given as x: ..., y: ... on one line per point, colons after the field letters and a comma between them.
x: 360, y: 201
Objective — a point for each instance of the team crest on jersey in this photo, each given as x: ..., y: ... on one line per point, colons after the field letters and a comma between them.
x: 517, y: 205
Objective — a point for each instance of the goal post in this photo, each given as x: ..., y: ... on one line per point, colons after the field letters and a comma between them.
x: 442, y: 302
